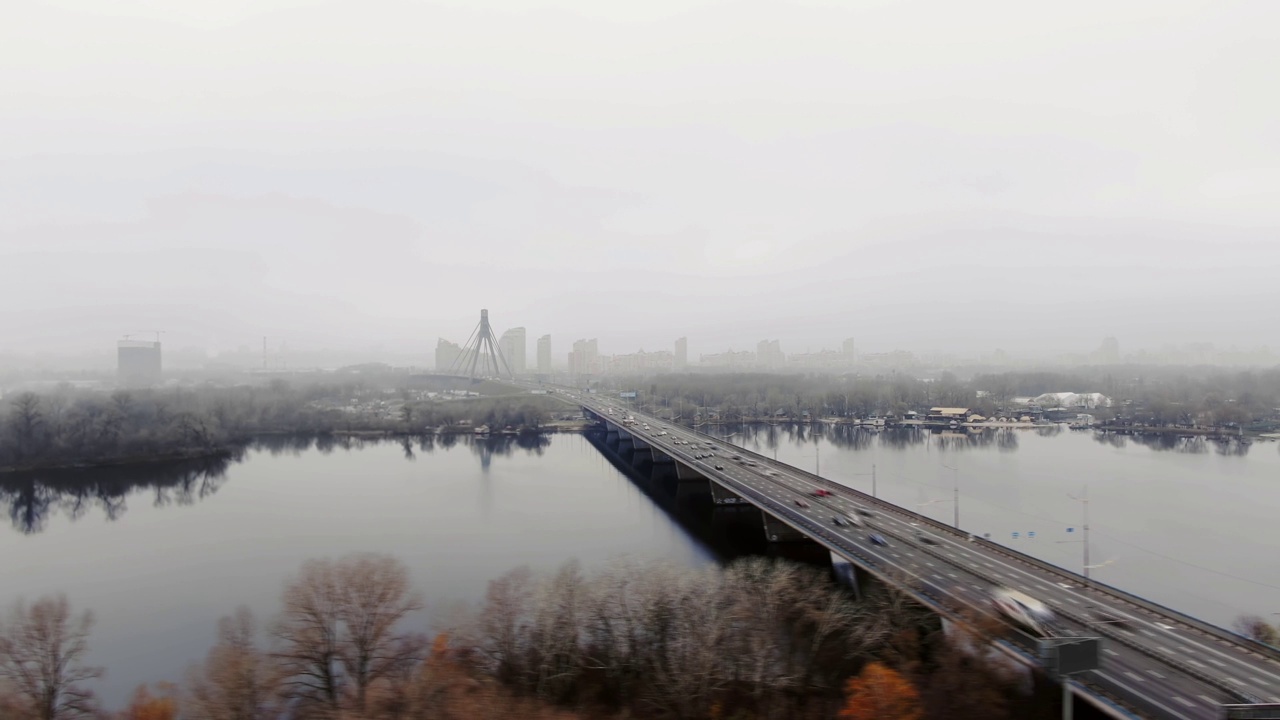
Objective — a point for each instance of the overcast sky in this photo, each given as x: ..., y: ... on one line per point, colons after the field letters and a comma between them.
x: 927, y: 175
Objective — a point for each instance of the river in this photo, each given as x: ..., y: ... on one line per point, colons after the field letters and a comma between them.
x: 159, y: 553
x: 1187, y: 522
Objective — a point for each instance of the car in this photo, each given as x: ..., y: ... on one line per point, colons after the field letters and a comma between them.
x: 820, y: 492
x: 719, y: 467
x: 878, y: 539
x: 801, y: 503
x: 838, y: 522
x: 865, y: 512
x: 926, y: 539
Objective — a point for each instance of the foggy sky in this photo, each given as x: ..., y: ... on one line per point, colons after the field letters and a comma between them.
x: 926, y: 175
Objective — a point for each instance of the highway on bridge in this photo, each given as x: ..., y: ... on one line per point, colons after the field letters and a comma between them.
x: 1156, y: 662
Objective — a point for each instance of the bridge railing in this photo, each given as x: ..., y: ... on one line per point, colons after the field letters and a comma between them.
x: 1208, y: 629
x: 1205, y: 628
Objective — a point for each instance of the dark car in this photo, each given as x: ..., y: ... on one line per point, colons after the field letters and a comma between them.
x: 801, y: 503
x: 878, y: 539
x: 719, y: 467
x: 865, y: 513
x: 838, y: 522
x: 927, y: 540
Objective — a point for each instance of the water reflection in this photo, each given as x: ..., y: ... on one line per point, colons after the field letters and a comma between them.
x: 859, y: 438
x: 1170, y: 442
x: 32, y: 498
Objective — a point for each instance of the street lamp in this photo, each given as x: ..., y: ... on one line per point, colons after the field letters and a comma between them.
x: 1084, y: 507
x: 955, y: 476
x: 873, y: 479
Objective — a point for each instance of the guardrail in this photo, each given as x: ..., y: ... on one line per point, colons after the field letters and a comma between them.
x: 821, y: 531
x: 1233, y: 638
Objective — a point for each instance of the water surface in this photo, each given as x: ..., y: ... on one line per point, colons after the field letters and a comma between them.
x: 160, y: 553
x: 1187, y: 522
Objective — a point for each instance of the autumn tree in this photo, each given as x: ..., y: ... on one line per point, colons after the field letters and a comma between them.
x: 880, y: 693
x: 237, y: 680
x: 337, y: 633
x: 1256, y: 628
x: 42, y: 649
x: 146, y: 706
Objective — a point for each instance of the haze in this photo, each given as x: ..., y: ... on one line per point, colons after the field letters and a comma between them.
x: 917, y: 175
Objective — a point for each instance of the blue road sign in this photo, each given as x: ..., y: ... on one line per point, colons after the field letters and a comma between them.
x: 1031, y: 534
x: 1071, y: 529
x: 1015, y: 536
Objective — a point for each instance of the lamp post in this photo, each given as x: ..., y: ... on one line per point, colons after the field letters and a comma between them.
x: 873, y: 479
x: 1084, y: 503
x: 955, y: 476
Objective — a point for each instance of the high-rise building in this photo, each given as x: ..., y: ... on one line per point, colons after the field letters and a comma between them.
x: 769, y: 354
x: 544, y: 355
x: 447, y: 354
x: 138, y: 363
x: 850, y: 352
x: 585, y: 358
x: 1109, y: 352
x: 681, y: 359
x: 513, y: 346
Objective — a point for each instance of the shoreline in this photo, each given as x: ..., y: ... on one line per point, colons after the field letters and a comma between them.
x: 231, y: 449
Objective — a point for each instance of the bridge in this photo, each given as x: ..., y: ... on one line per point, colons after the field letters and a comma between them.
x: 1155, y: 661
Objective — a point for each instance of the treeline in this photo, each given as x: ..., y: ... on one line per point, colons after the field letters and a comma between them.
x: 69, y: 427
x: 31, y: 498
x: 1160, y: 395
x: 760, y: 639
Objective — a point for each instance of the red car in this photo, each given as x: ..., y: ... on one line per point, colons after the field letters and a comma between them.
x: 821, y: 493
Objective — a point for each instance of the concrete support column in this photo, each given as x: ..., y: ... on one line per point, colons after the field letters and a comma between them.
x: 724, y: 496
x: 777, y: 531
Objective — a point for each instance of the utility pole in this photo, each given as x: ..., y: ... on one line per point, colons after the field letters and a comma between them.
x: 873, y: 481
x: 955, y: 494
x: 1084, y: 502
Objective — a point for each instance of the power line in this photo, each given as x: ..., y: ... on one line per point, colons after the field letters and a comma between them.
x: 1191, y: 564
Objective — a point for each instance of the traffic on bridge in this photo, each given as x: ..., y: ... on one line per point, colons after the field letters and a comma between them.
x: 1155, y: 662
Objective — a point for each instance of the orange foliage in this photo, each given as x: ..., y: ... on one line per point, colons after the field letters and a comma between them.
x: 147, y: 707
x: 880, y: 693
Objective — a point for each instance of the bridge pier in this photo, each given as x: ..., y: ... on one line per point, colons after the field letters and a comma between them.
x: 687, y: 473
x: 641, y: 455
x: 777, y: 531
x: 722, y: 495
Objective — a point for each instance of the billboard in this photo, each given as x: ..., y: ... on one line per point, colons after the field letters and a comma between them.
x: 631, y: 394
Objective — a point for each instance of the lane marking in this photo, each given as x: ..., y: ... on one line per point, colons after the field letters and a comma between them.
x: 1152, y: 701
x: 1184, y: 701
x: 1135, y: 675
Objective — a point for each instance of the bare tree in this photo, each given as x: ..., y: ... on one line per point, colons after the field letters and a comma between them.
x: 237, y: 681
x: 1256, y: 628
x: 41, y: 649
x: 336, y: 635
x: 374, y: 596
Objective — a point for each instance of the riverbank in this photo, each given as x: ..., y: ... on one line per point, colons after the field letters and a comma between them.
x: 231, y: 449
x: 155, y: 459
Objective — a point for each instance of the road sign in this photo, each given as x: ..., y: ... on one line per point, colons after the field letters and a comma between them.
x: 1015, y: 535
x: 1031, y: 534
x: 1071, y: 529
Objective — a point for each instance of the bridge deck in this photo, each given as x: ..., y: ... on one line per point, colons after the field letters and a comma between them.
x: 1157, y: 662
